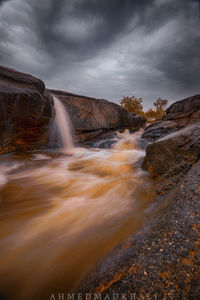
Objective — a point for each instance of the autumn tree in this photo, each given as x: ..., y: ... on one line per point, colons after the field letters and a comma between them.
x: 151, y: 115
x: 133, y: 104
x: 160, y: 104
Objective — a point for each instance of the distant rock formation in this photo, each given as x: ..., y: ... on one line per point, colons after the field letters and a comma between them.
x: 27, y: 111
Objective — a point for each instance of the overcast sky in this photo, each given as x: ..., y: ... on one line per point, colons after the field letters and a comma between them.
x: 105, y: 48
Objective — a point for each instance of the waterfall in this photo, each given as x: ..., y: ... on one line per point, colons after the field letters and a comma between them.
x: 63, y: 125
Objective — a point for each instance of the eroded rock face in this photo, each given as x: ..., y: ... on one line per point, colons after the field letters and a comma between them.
x: 93, y: 117
x: 178, y: 115
x: 26, y: 111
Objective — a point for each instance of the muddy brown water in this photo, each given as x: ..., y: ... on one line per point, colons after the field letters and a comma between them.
x: 60, y: 213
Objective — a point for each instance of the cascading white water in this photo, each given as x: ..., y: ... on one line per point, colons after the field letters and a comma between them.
x: 63, y: 124
x: 60, y: 214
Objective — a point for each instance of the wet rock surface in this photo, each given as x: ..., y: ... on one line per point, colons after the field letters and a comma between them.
x: 26, y: 111
x: 94, y: 119
x: 160, y: 129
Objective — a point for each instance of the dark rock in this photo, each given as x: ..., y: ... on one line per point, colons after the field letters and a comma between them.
x: 101, y: 138
x: 178, y: 115
x: 159, y: 129
x: 21, y: 80
x: 188, y: 108
x: 91, y: 117
x: 174, y: 151
x: 26, y: 110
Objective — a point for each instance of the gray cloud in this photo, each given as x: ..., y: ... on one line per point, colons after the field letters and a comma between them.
x: 1, y: 1
x: 105, y: 49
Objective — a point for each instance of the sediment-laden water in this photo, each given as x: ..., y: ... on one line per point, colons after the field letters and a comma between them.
x: 62, y: 211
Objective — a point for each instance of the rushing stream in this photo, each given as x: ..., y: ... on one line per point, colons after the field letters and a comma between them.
x: 62, y: 211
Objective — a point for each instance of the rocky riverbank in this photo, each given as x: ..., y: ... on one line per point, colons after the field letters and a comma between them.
x: 162, y: 260
x: 27, y: 112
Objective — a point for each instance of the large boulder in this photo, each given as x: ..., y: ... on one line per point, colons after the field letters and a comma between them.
x: 175, y: 152
x: 95, y: 117
x: 26, y: 110
x: 178, y: 115
x: 187, y: 109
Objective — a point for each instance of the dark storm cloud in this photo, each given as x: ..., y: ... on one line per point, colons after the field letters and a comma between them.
x: 105, y: 48
x: 58, y: 23
x: 1, y: 1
